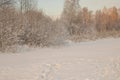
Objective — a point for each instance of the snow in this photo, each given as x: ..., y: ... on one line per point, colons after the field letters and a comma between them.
x: 93, y: 60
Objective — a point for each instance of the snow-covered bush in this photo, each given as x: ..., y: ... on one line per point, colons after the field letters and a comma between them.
x: 31, y: 28
x: 9, y: 29
x: 40, y: 30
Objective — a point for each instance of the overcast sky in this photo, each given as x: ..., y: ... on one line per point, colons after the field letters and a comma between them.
x: 55, y: 7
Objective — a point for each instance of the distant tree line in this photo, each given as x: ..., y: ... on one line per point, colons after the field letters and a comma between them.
x: 24, y: 24
x: 84, y: 23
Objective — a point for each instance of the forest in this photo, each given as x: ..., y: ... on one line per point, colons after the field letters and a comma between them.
x: 22, y: 23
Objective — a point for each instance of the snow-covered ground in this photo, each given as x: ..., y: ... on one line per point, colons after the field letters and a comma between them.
x: 94, y: 60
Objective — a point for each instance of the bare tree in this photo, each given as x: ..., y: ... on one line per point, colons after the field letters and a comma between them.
x: 26, y: 5
x: 69, y: 15
x: 71, y: 8
x: 6, y: 3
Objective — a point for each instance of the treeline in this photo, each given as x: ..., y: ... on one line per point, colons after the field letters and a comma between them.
x: 107, y: 21
x: 83, y: 23
x: 21, y: 23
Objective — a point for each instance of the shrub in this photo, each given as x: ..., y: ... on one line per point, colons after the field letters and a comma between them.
x: 9, y: 29
x: 40, y: 30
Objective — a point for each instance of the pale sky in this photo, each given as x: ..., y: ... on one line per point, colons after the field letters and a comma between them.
x: 55, y: 7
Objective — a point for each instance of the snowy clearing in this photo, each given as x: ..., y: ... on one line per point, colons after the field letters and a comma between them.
x: 95, y: 60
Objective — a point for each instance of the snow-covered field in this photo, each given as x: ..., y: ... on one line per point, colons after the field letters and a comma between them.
x: 94, y: 60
